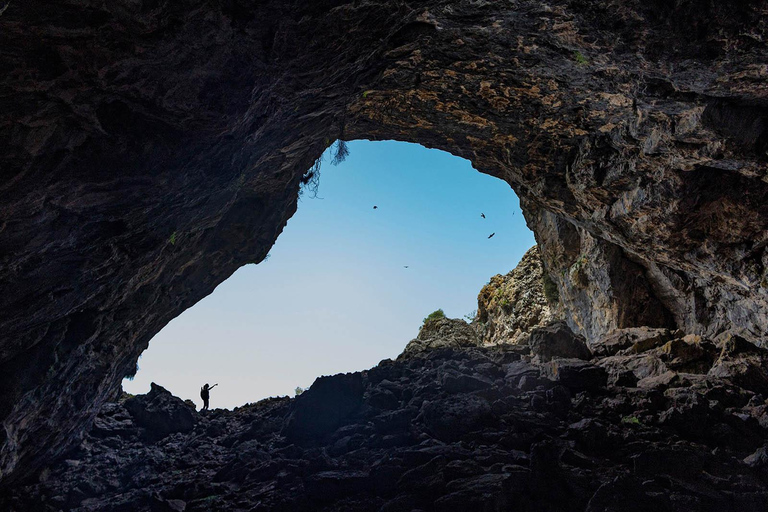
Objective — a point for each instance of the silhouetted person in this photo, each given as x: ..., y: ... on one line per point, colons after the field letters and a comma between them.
x: 205, y: 395
x: 491, y: 235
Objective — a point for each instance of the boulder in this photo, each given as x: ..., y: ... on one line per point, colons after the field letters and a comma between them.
x: 557, y: 340
x: 160, y: 413
x: 690, y: 354
x: 662, y: 381
x: 576, y: 374
x: 441, y: 333
x: 742, y: 363
x: 759, y: 459
x: 638, y: 337
x: 323, y: 407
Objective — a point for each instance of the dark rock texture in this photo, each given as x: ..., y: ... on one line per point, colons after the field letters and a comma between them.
x: 151, y: 148
x: 557, y: 340
x: 566, y: 444
x: 160, y: 413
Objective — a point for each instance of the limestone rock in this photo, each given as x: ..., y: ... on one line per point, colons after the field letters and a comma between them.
x: 636, y: 339
x: 557, y: 340
x: 441, y: 333
x: 743, y: 363
x: 576, y: 374
x: 510, y: 306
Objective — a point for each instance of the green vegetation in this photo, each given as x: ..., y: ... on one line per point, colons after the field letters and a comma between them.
x: 579, y: 57
x: 470, y: 317
x: 630, y: 420
x: 550, y: 288
x: 366, y: 93
x: 501, y: 298
x: 173, y: 238
x: 435, y: 315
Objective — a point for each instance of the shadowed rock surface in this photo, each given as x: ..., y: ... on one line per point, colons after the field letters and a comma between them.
x: 152, y: 148
x: 446, y: 429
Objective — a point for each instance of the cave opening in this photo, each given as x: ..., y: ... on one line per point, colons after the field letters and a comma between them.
x: 346, y: 285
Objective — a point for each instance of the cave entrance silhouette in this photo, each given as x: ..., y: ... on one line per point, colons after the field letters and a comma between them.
x: 335, y: 294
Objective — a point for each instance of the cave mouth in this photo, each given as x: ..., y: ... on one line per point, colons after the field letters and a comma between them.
x: 335, y: 294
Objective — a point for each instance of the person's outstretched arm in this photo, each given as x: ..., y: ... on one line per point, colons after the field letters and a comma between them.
x: 213, y: 386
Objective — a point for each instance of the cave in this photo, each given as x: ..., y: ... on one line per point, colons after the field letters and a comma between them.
x: 154, y: 147
x: 345, y: 285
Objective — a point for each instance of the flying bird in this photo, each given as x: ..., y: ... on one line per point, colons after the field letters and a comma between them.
x: 405, y: 266
x: 491, y: 235
x: 375, y: 207
x: 482, y: 215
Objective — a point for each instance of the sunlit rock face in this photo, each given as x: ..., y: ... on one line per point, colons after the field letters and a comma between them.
x: 152, y: 148
x: 510, y: 306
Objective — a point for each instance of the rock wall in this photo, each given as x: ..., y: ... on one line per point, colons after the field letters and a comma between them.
x: 152, y: 148
x: 511, y: 305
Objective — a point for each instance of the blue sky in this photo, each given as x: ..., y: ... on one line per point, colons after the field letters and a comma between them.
x: 334, y: 295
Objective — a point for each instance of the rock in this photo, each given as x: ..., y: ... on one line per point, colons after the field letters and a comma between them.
x: 621, y: 339
x: 690, y: 354
x: 464, y: 383
x: 640, y: 366
x: 557, y: 340
x: 329, y: 486
x: 576, y: 374
x: 743, y: 364
x: 160, y: 413
x: 518, y: 370
x: 449, y: 420
x: 441, y: 333
x: 759, y: 459
x: 662, y: 381
x: 626, y: 494
x: 322, y: 408
x: 509, y: 307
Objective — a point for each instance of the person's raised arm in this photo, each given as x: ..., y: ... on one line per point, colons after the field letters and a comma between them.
x: 213, y: 386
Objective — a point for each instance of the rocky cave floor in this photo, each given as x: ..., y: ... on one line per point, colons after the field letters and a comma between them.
x: 648, y: 420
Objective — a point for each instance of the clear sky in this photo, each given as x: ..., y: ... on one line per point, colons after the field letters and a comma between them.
x: 334, y: 295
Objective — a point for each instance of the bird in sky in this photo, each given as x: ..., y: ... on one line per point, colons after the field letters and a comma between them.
x: 375, y: 207
x: 491, y: 235
x: 482, y: 215
x: 405, y: 266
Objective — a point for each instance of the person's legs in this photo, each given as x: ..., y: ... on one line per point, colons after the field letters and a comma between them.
x: 205, y: 404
